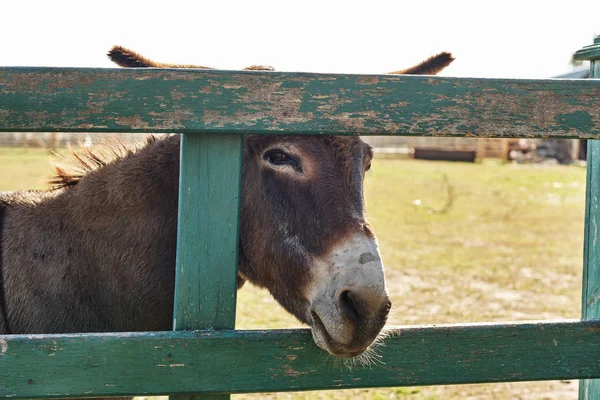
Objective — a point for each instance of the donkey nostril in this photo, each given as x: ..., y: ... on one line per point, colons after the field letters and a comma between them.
x: 348, y: 305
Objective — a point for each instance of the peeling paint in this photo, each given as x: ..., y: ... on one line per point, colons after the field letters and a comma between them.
x: 135, y: 122
x: 274, y: 103
x: 289, y: 371
x: 179, y: 100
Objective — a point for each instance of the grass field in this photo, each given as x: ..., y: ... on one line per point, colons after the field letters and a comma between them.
x: 461, y: 243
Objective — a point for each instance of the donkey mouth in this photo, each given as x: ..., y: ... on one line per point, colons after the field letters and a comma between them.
x: 323, y: 339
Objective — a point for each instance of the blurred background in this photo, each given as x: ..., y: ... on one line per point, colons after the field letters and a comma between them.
x: 470, y: 230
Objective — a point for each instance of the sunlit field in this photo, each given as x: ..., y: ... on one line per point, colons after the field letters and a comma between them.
x: 461, y: 243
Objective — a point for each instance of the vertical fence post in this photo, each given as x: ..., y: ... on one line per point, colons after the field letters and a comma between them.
x: 208, y: 233
x: 590, y: 306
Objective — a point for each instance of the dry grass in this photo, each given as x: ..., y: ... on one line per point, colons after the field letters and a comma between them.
x: 508, y: 247
x: 22, y: 169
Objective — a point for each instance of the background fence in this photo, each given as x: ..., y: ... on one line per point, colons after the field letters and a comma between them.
x: 434, y: 148
x: 53, y: 141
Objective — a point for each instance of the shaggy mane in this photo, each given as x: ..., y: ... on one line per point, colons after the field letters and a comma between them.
x: 82, y: 160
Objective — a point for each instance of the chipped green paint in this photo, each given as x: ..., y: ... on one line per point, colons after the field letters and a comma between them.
x: 590, y: 304
x: 208, y: 231
x: 287, y: 360
x: 207, y: 234
x: 581, y: 119
x: 142, y: 100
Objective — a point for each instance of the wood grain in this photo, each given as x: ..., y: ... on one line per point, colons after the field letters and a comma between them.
x: 590, y: 305
x: 207, y: 234
x: 142, y: 100
x: 287, y: 360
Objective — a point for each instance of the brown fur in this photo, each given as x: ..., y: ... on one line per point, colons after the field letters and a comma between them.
x: 318, y: 213
x: 74, y: 256
x: 97, y: 255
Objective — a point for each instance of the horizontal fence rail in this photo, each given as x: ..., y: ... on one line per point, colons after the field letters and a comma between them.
x: 53, y: 366
x: 145, y: 100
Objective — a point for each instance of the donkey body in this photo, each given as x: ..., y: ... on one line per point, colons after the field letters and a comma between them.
x: 97, y: 253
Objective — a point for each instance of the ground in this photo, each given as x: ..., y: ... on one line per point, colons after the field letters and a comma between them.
x: 461, y: 243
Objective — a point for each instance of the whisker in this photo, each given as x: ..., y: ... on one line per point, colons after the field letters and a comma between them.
x: 372, y: 355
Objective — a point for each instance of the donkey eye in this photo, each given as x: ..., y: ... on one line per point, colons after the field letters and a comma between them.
x: 368, y: 167
x: 278, y: 157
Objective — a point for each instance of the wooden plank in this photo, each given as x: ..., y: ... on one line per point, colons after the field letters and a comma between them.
x: 250, y: 361
x: 208, y: 231
x: 207, y: 234
x: 590, y: 306
x: 142, y: 100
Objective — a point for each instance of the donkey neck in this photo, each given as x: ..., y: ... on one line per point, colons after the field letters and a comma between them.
x: 98, y: 255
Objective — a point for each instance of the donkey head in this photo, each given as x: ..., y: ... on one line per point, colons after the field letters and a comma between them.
x: 304, y: 234
x: 306, y: 239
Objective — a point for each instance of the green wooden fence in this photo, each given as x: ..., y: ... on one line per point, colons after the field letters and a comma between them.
x: 213, y: 110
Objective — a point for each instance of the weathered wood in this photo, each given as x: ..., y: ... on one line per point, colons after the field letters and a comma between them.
x: 207, y: 234
x: 250, y: 361
x: 140, y: 100
x: 590, y: 306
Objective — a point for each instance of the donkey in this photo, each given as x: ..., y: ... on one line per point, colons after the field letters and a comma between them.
x: 96, y: 253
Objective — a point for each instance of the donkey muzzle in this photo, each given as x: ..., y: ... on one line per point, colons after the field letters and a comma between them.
x: 349, y: 303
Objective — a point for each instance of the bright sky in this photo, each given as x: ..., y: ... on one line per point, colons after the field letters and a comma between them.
x: 512, y: 39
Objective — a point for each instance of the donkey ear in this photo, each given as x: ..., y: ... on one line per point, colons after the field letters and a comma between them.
x: 431, y: 66
x: 130, y: 59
